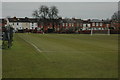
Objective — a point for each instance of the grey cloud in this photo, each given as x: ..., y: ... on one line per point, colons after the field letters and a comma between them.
x: 66, y: 9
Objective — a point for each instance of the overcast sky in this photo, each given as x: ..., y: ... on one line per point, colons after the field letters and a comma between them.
x: 83, y: 10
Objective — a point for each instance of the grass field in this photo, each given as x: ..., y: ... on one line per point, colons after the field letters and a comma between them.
x: 61, y: 56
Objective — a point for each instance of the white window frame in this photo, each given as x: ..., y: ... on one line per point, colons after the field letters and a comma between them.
x: 69, y: 24
x: 93, y: 24
x: 97, y: 24
x: 63, y: 24
x: 88, y: 25
x: 84, y: 25
x: 66, y: 24
x: 101, y: 24
x: 72, y: 24
x: 107, y: 25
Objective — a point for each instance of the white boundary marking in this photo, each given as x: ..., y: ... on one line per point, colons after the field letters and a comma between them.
x: 36, y: 49
x: 32, y: 45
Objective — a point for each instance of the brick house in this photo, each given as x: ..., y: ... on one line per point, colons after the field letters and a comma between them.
x: 66, y: 25
x: 86, y: 25
x: 115, y: 24
x: 23, y: 23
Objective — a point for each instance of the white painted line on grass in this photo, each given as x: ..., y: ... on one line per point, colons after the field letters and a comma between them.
x: 36, y: 49
x: 32, y: 45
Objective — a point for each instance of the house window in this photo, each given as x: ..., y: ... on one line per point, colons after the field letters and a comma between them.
x: 95, y: 29
x: 32, y: 24
x: 77, y: 24
x: 66, y: 24
x: 81, y: 24
x: 107, y: 25
x: 72, y: 24
x: 99, y: 28
x: 88, y: 25
x: 101, y: 24
x: 69, y: 24
x: 58, y: 29
x: 84, y: 25
x: 93, y: 24
x: 17, y: 23
x: 36, y: 24
x: 96, y: 24
x: 63, y: 24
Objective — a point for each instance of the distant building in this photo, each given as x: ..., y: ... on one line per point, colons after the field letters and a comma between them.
x: 62, y: 25
x: 97, y: 24
x: 86, y: 25
x: 23, y: 23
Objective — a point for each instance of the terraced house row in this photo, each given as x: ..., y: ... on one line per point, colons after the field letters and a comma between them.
x: 63, y: 25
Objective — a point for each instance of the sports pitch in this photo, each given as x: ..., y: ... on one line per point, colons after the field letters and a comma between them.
x: 61, y: 56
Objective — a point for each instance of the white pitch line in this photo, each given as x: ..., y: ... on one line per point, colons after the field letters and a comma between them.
x: 32, y: 45
x: 37, y: 49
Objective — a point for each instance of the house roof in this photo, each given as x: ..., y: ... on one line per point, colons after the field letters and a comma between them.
x: 78, y: 20
x: 66, y: 20
x: 107, y: 21
x: 71, y: 20
x: 86, y: 21
x: 22, y: 19
x: 96, y: 20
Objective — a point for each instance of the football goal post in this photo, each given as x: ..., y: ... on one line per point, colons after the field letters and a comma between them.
x: 106, y: 31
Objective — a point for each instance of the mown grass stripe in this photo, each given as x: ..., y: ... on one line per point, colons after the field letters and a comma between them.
x: 35, y: 48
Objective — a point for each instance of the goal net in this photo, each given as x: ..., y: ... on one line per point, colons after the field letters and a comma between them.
x: 100, y: 31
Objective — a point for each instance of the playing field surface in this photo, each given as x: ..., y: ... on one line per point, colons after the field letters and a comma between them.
x: 61, y: 56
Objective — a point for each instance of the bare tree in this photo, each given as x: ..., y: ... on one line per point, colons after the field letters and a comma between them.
x: 53, y: 12
x: 36, y: 14
x: 116, y: 16
x: 42, y: 12
x: 53, y: 15
x: 46, y: 14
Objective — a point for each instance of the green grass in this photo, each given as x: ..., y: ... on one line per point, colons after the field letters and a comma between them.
x: 61, y: 56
